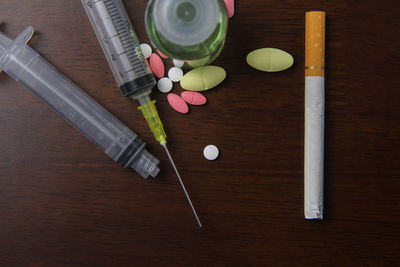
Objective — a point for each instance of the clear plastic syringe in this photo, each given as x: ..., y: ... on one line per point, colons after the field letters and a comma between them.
x: 121, y: 48
x: 27, y: 67
x: 122, y: 51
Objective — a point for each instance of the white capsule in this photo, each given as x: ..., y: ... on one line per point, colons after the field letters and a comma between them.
x: 164, y: 85
x: 178, y: 63
x: 175, y: 74
x: 211, y: 152
x: 146, y: 50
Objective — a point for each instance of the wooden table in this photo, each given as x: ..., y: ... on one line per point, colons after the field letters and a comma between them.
x: 64, y: 202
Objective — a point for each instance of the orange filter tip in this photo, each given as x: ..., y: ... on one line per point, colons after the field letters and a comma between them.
x: 315, y: 43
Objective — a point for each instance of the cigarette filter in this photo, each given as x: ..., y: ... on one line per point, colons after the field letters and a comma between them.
x: 314, y: 114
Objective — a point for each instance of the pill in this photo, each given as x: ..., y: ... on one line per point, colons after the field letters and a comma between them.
x: 177, y: 103
x: 157, y: 66
x: 194, y: 98
x: 162, y: 54
x: 146, y: 50
x: 269, y: 59
x: 178, y: 63
x: 230, y: 7
x: 175, y: 74
x: 164, y: 85
x: 203, y: 78
x: 211, y: 152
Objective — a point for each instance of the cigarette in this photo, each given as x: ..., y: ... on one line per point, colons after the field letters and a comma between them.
x: 314, y: 115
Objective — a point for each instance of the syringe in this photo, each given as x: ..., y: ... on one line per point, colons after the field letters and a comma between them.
x: 121, y: 48
x: 27, y: 67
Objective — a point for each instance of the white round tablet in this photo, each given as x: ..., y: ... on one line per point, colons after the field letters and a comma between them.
x: 164, y: 85
x: 211, y: 152
x: 178, y: 63
x: 175, y: 74
x: 146, y: 50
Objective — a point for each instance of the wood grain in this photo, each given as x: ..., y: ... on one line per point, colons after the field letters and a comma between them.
x: 64, y: 202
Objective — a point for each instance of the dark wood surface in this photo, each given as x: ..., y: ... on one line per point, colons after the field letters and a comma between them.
x: 64, y: 202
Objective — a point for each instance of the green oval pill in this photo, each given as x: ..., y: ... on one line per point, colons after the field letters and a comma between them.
x: 269, y: 59
x: 203, y: 78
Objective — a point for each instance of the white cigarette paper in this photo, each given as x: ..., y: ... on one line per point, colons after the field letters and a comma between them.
x: 314, y: 147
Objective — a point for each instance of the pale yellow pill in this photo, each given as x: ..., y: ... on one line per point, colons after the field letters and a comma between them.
x: 269, y: 59
x: 203, y: 78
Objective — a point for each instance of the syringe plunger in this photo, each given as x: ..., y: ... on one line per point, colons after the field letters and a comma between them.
x: 27, y: 67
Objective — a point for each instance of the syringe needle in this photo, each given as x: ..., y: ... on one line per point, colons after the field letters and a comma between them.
x: 180, y: 181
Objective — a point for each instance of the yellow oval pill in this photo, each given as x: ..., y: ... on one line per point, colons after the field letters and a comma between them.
x: 203, y: 78
x: 269, y: 59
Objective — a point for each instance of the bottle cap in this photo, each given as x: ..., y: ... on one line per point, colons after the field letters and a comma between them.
x: 186, y: 22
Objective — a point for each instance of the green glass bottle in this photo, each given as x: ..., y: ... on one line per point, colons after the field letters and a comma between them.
x: 190, y: 30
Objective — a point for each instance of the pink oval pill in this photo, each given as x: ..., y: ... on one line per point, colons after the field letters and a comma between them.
x: 177, y: 103
x: 162, y: 54
x: 194, y: 98
x: 230, y: 7
x: 157, y: 66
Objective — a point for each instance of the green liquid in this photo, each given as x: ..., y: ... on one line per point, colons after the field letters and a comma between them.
x: 195, y: 55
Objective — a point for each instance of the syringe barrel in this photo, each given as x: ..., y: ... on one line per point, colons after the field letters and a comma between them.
x: 28, y: 68
x: 121, y: 47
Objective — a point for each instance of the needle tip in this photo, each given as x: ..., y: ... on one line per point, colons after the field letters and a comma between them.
x: 181, y: 182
